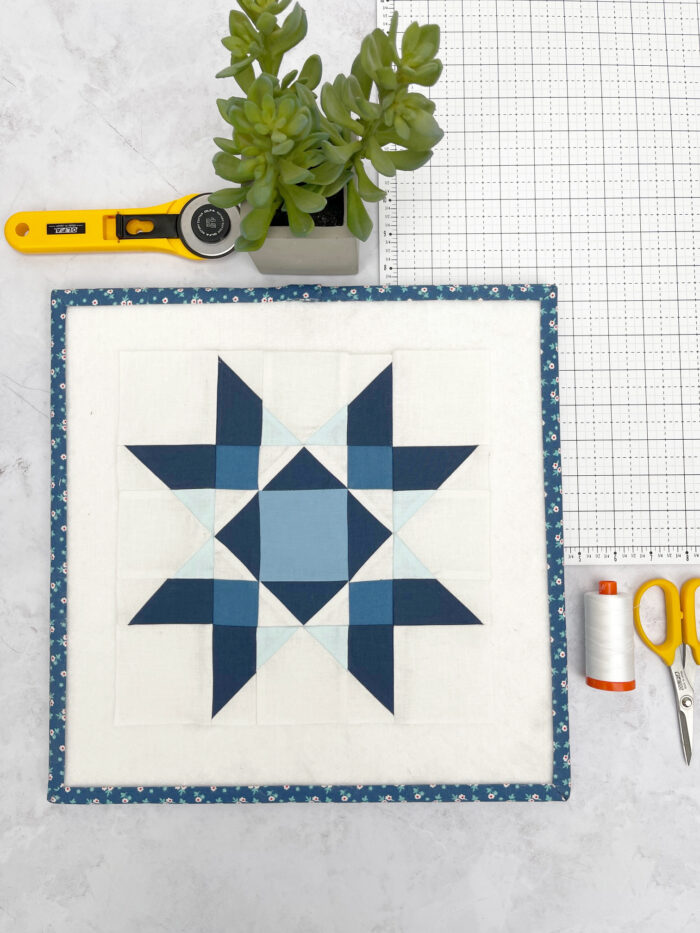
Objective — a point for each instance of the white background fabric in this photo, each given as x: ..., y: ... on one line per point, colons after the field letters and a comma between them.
x: 473, y: 703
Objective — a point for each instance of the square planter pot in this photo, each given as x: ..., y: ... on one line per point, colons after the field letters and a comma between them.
x: 327, y: 250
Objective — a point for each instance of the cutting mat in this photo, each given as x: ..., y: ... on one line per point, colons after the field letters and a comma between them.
x: 572, y: 156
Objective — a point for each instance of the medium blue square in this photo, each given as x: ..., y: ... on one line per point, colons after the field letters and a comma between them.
x: 235, y: 602
x: 236, y: 467
x: 371, y: 603
x: 370, y: 468
x: 304, y: 535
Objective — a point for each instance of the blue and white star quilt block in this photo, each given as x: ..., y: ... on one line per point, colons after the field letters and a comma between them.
x: 306, y: 545
x: 310, y: 522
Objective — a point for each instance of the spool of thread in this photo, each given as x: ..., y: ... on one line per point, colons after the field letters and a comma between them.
x: 609, y: 638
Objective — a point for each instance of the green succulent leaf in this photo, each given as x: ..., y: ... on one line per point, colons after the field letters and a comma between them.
x: 417, y: 101
x: 263, y: 85
x: 268, y: 108
x: 311, y: 142
x: 243, y: 245
x: 326, y: 173
x: 232, y: 169
x: 428, y: 43
x: 342, y: 89
x: 299, y: 123
x: 227, y: 145
x: 235, y: 69
x: 341, y: 155
x: 370, y: 59
x: 300, y: 223
x: 224, y: 108
x: 428, y: 74
x: 303, y: 198
x: 291, y: 32
x: 255, y: 8
x: 241, y: 31
x: 366, y: 109
x: 252, y: 112
x: 228, y: 197
x: 288, y: 78
x: 310, y: 74
x: 409, y: 43
x: 266, y: 23
x: 238, y: 20
x: 393, y: 28
x: 245, y: 78
x: 286, y: 107
x: 403, y: 131
x: 254, y: 226
x: 359, y: 221
x: 362, y: 77
x: 386, y: 78
x: 383, y: 46
x: 292, y: 174
x: 337, y: 185
x: 379, y: 158
x: 424, y: 128
x: 238, y: 120
x: 282, y: 149
x: 305, y: 95
x: 336, y: 111
x: 407, y: 160
x: 368, y: 191
x: 262, y: 192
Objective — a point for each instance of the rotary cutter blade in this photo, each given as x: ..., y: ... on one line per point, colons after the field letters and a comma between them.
x: 190, y: 227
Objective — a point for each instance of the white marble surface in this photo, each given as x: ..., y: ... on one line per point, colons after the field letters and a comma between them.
x: 113, y: 105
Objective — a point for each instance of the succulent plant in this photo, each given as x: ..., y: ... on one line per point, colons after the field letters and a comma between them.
x: 289, y: 150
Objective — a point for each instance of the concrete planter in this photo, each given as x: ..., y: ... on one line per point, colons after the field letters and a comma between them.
x: 325, y: 251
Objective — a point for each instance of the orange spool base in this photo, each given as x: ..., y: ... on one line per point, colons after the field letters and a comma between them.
x: 615, y: 686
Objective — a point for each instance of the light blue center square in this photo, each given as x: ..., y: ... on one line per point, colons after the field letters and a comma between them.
x: 304, y: 535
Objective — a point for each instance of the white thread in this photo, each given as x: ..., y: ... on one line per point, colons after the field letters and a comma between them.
x: 609, y: 637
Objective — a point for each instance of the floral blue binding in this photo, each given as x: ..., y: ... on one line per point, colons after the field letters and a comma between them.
x: 59, y: 792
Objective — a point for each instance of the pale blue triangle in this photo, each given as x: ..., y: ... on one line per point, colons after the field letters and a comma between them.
x: 200, y: 502
x: 406, y: 564
x: 274, y: 433
x: 406, y: 504
x: 334, y: 638
x: 201, y: 565
x: 270, y: 640
x: 334, y: 433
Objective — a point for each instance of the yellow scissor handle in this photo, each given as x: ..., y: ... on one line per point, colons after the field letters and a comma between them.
x: 690, y: 631
x: 666, y: 650
x: 94, y: 231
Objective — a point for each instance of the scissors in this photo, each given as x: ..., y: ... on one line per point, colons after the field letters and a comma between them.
x: 680, y: 649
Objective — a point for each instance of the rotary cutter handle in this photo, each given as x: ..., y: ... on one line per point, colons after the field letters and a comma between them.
x: 190, y: 227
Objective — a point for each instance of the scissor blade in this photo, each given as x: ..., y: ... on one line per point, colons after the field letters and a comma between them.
x: 685, y: 720
x: 682, y: 680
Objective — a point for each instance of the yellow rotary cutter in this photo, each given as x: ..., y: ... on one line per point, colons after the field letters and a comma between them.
x: 190, y: 227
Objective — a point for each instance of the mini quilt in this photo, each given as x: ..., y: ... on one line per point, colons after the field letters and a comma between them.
x: 307, y: 546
